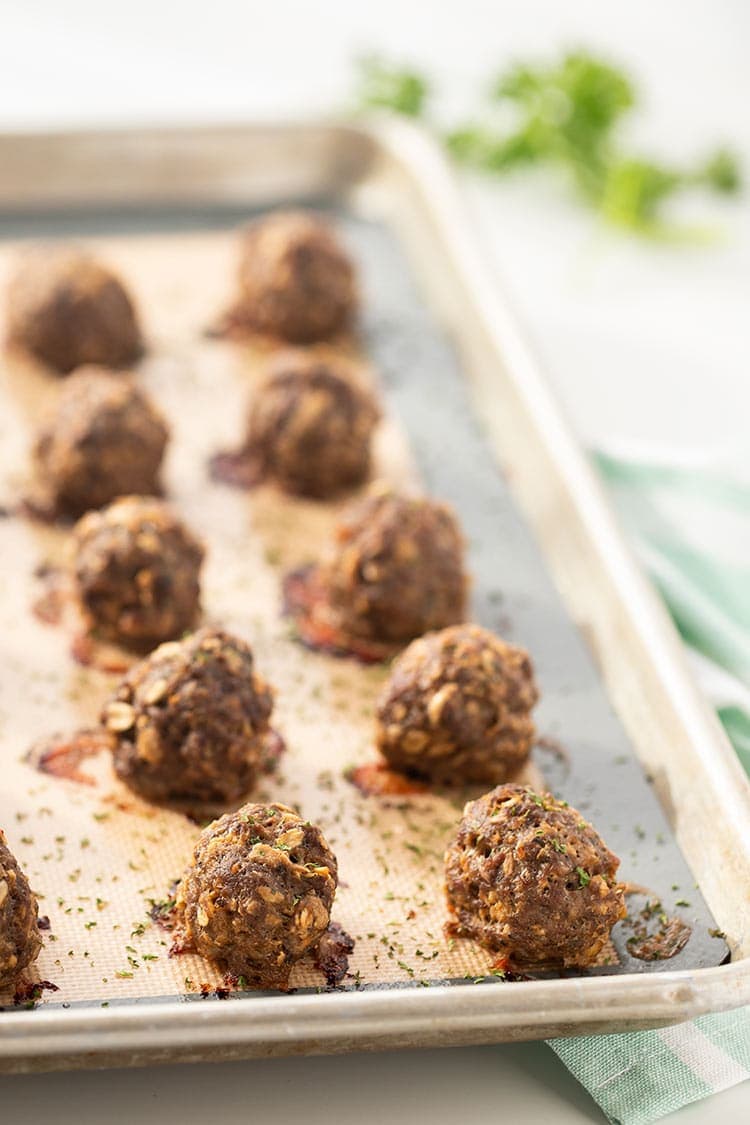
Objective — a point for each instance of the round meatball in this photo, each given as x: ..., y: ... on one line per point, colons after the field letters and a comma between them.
x: 106, y: 439
x: 398, y: 568
x: 529, y: 879
x: 310, y: 427
x: 20, y: 940
x: 457, y: 707
x: 189, y: 722
x: 295, y: 280
x: 258, y: 893
x: 67, y: 309
x: 137, y: 573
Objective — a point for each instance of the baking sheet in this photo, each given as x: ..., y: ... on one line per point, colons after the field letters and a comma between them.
x: 97, y: 855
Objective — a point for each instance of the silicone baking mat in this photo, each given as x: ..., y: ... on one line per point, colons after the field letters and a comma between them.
x: 97, y: 855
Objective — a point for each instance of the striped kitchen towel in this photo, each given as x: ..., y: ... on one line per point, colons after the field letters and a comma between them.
x: 690, y: 525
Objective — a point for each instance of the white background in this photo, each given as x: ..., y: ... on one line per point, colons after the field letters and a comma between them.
x: 646, y: 345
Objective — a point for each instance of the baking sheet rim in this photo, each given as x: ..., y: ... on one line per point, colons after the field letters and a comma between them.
x: 483, y: 1009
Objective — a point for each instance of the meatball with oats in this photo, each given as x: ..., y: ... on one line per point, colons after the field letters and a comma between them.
x: 105, y: 439
x: 295, y: 279
x: 20, y: 940
x: 397, y: 569
x: 67, y: 309
x: 136, y: 573
x: 190, y: 722
x: 528, y: 878
x: 258, y: 892
x: 457, y: 707
x: 310, y: 427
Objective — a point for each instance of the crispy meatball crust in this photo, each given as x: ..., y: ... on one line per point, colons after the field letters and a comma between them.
x: 398, y: 568
x: 137, y: 573
x: 20, y: 940
x: 189, y: 722
x: 257, y: 895
x: 295, y: 279
x: 457, y: 707
x: 310, y: 427
x: 105, y: 439
x: 67, y: 309
x: 529, y: 879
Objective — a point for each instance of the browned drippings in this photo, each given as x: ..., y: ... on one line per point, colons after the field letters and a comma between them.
x: 49, y: 606
x: 332, y: 954
x: 90, y: 653
x: 29, y: 992
x: 62, y: 755
x: 306, y: 603
x: 376, y: 779
x: 655, y: 936
x: 237, y: 468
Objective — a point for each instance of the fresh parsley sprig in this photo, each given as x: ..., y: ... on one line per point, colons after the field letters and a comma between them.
x: 565, y: 115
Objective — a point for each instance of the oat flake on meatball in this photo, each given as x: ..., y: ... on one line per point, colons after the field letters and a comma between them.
x: 528, y: 878
x: 295, y: 279
x: 136, y: 570
x: 310, y: 427
x: 258, y: 892
x: 20, y: 940
x: 190, y: 722
x: 68, y: 309
x: 457, y: 707
x: 105, y: 439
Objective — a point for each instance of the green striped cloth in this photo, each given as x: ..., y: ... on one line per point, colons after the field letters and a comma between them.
x: 690, y: 526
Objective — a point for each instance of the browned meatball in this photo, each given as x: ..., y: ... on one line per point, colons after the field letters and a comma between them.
x: 105, y: 439
x: 398, y: 568
x: 457, y: 707
x: 20, y: 940
x: 310, y: 427
x: 137, y: 573
x: 189, y: 722
x: 67, y: 309
x: 295, y: 279
x: 258, y: 893
x: 529, y: 879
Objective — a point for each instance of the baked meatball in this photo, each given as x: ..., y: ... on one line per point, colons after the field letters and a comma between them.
x: 20, y: 940
x: 398, y: 568
x: 258, y: 893
x: 457, y: 707
x: 295, y: 280
x: 310, y: 427
x: 105, y: 439
x: 529, y: 879
x: 190, y: 721
x: 67, y: 309
x: 136, y: 573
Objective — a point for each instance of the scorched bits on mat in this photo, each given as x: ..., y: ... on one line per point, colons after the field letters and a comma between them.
x: 137, y: 573
x: 191, y: 721
x: 258, y: 893
x: 457, y: 707
x: 528, y: 878
x: 106, y: 439
x: 67, y: 309
x: 20, y: 940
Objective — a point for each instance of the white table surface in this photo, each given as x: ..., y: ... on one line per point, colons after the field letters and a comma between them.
x: 646, y: 346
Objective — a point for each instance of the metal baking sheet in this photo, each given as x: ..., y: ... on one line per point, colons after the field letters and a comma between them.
x: 178, y: 260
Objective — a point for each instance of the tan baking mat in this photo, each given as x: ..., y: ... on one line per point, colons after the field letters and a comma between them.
x: 96, y: 855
